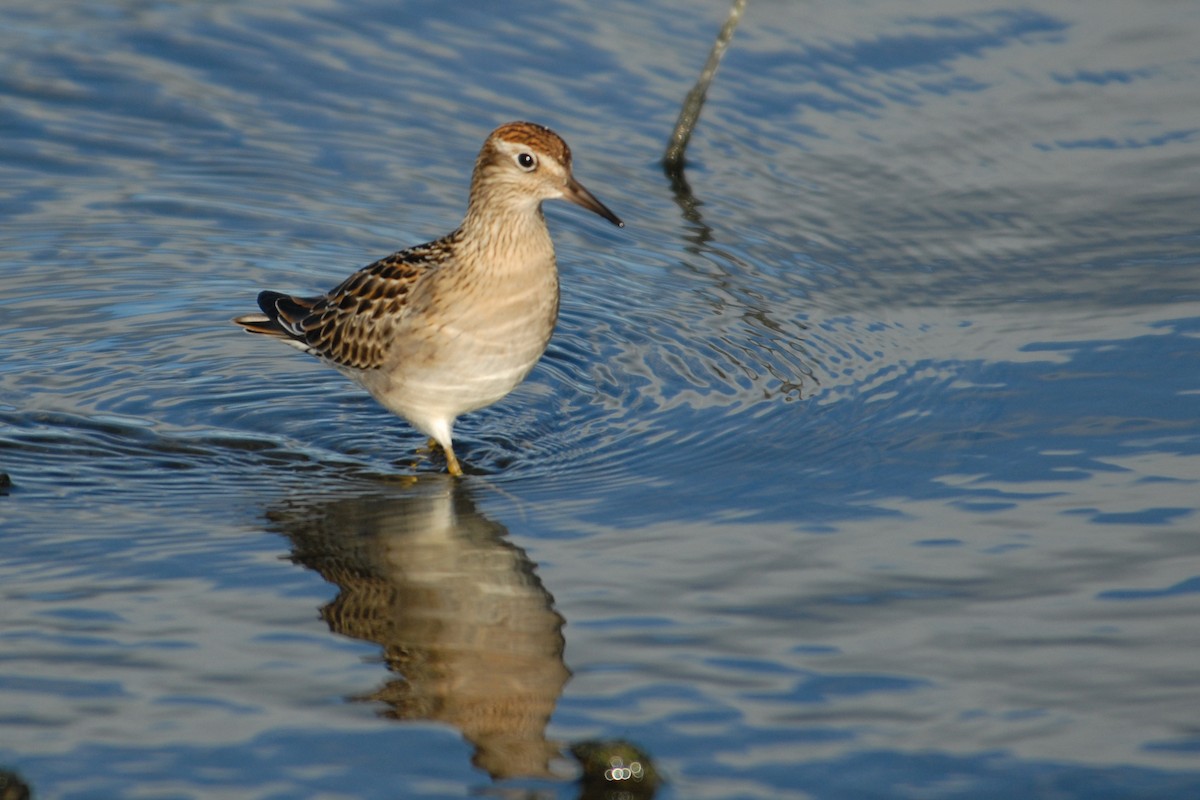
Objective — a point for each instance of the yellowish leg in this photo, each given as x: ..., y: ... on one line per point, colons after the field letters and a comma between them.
x: 452, y: 462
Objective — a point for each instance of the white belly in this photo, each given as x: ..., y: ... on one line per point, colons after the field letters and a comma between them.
x: 446, y: 364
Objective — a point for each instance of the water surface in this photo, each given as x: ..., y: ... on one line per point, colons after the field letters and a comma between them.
x: 865, y: 468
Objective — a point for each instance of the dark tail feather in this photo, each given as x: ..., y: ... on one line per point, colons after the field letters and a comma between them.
x: 281, y: 315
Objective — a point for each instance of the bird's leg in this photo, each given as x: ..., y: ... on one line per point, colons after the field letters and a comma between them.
x: 451, y: 462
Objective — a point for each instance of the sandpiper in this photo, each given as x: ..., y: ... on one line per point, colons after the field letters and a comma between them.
x: 453, y: 325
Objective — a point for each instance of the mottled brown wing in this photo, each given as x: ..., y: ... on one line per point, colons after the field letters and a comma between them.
x: 351, y: 326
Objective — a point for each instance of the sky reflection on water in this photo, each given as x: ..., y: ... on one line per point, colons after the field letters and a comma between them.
x: 867, y: 470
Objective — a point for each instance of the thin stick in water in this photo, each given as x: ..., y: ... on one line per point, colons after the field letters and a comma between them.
x: 689, y: 115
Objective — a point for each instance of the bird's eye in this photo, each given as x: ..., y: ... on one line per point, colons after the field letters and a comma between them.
x: 526, y: 161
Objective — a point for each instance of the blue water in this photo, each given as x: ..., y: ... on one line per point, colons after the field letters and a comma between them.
x: 865, y: 467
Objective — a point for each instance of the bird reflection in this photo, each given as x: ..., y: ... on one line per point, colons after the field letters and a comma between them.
x: 463, y: 620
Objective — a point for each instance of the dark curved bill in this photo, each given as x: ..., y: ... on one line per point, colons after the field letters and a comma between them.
x: 582, y: 197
